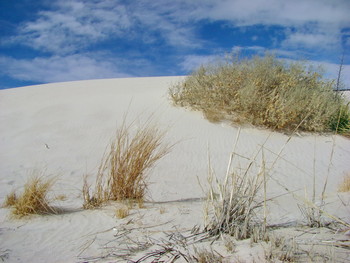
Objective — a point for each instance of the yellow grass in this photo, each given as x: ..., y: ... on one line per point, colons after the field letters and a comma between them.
x: 344, y: 186
x: 33, y: 199
x: 122, y: 212
x: 125, y: 166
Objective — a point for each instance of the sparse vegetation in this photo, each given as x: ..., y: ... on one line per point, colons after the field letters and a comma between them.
x: 122, y: 212
x: 284, y: 250
x: 233, y: 204
x: 123, y: 172
x: 344, y: 186
x: 206, y: 256
x: 10, y: 199
x: 264, y: 91
x: 33, y: 199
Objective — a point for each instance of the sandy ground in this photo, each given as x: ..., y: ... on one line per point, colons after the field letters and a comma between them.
x: 64, y: 128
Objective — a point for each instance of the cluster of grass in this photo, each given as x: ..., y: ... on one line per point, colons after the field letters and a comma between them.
x: 123, y: 172
x: 33, y: 199
x: 345, y: 184
x: 233, y: 204
x: 264, y: 91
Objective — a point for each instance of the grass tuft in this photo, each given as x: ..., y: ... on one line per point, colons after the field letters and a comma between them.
x: 10, y: 199
x: 33, y: 199
x: 234, y: 202
x: 122, y: 212
x: 344, y: 186
x: 206, y: 256
x: 123, y: 172
x: 264, y: 91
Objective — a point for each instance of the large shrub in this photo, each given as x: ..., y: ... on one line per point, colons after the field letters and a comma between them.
x: 263, y: 91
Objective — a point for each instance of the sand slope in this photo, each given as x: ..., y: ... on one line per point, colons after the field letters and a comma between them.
x: 65, y: 127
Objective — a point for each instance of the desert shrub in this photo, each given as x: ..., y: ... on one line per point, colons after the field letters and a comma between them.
x: 33, y: 199
x: 263, y: 91
x: 123, y: 172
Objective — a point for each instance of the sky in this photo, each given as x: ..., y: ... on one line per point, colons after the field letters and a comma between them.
x: 44, y: 41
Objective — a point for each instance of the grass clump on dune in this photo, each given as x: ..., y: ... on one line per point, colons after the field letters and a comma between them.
x: 344, y: 186
x: 124, y: 168
x: 33, y: 199
x: 263, y: 91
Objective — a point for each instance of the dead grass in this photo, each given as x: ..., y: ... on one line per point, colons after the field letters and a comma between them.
x: 122, y: 212
x: 344, y: 186
x: 33, y: 199
x: 206, y: 256
x: 282, y: 249
x: 124, y: 169
x: 234, y: 202
x: 263, y: 91
x: 10, y: 200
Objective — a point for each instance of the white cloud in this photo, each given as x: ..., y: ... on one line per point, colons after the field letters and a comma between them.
x: 312, y: 22
x: 192, y: 62
x: 70, y: 28
x: 57, y: 69
x: 73, y: 25
x: 275, y: 12
x: 332, y: 71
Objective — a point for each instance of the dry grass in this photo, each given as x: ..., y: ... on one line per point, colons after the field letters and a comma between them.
x: 10, y: 199
x: 124, y: 169
x: 264, y: 91
x: 33, y: 199
x: 234, y: 203
x: 344, y: 186
x: 122, y: 212
x: 281, y: 249
x: 206, y: 256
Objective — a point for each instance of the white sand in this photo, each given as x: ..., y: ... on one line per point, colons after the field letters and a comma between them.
x: 63, y: 128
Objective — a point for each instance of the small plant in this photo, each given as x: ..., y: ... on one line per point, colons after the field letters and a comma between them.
x: 234, y: 203
x: 122, y: 212
x: 205, y: 256
x: 10, y: 199
x: 124, y: 168
x: 33, y: 199
x: 285, y: 250
x: 344, y: 186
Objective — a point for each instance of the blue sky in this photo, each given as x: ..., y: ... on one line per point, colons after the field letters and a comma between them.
x: 43, y: 41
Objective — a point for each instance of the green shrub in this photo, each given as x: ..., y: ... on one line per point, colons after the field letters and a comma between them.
x: 263, y: 91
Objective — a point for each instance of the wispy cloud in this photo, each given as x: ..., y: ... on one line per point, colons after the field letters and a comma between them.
x: 73, y: 25
x: 191, y: 62
x: 305, y: 21
x: 57, y: 69
x: 140, y: 35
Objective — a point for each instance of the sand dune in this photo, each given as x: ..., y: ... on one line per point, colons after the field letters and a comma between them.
x: 63, y: 128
